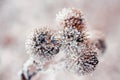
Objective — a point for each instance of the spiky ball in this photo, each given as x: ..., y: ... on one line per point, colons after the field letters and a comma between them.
x: 42, y: 45
x: 72, y: 35
x: 81, y: 59
x: 70, y: 17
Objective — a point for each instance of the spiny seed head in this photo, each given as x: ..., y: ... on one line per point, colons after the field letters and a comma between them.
x: 42, y: 45
x: 72, y: 35
x: 98, y: 39
x: 81, y: 59
x: 70, y: 17
x: 101, y: 45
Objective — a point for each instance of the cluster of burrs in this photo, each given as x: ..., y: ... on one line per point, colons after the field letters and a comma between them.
x: 80, y: 50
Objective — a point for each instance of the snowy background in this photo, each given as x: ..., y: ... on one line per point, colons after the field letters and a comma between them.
x: 19, y: 17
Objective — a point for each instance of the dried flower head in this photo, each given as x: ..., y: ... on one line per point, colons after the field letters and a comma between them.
x: 101, y: 45
x: 42, y: 45
x: 72, y: 36
x: 81, y: 59
x: 98, y: 39
x: 70, y: 17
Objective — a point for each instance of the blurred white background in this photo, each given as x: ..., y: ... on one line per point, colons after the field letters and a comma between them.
x: 18, y: 17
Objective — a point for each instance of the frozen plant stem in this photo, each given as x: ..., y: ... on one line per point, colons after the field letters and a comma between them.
x: 30, y: 70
